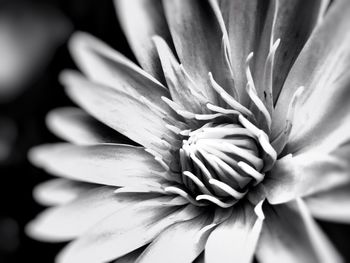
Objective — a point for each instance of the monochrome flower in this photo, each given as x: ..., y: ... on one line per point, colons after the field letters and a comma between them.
x: 236, y: 136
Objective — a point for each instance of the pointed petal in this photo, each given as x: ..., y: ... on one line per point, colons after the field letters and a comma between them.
x: 235, y: 239
x: 109, y: 164
x: 182, y: 89
x: 322, y: 61
x: 76, y: 126
x: 332, y: 205
x: 176, y: 244
x: 328, y: 127
x: 59, y: 191
x: 104, y: 65
x: 294, y: 23
x: 290, y: 235
x: 307, y: 173
x: 241, y: 18
x: 150, y: 21
x: 69, y: 221
x: 134, y: 117
x: 198, y: 40
x: 123, y: 232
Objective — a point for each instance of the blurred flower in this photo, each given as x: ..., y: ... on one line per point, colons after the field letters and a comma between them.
x: 29, y: 35
x: 234, y: 145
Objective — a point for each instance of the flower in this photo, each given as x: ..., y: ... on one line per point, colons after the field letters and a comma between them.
x: 236, y: 151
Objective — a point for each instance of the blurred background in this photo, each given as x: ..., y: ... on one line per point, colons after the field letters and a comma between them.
x: 33, y: 50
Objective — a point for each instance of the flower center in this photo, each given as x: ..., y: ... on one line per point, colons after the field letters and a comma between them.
x: 221, y: 148
x: 220, y: 162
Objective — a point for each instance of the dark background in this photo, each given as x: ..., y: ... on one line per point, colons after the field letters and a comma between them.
x: 28, y: 112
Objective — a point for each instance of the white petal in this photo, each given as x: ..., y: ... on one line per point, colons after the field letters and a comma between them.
x: 290, y: 235
x: 323, y: 60
x: 59, y: 191
x: 123, y: 232
x: 235, y: 239
x: 198, y: 40
x: 241, y: 22
x: 150, y: 21
x: 109, y: 164
x: 182, y: 89
x: 76, y: 126
x: 326, y: 128
x: 178, y: 243
x: 106, y: 66
x: 68, y: 221
x: 294, y: 23
x: 132, y: 116
x: 332, y: 205
x: 307, y: 173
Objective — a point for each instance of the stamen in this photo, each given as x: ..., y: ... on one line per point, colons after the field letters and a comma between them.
x: 178, y: 191
x: 216, y: 201
x: 251, y: 171
x: 292, y: 107
x: 225, y: 171
x: 202, y: 167
x: 280, y: 141
x: 202, y: 117
x: 250, y: 88
x: 228, y: 189
x: 271, y: 155
x: 162, y: 163
x: 186, y: 114
x: 197, y: 182
x: 175, y: 107
x: 228, y: 98
x: 243, y: 154
x: 174, y: 129
x: 268, y: 76
x: 222, y: 110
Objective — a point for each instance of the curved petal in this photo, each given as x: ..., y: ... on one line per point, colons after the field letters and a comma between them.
x: 109, y: 164
x: 332, y: 205
x: 327, y: 127
x: 135, y: 117
x: 59, y: 191
x: 295, y: 22
x: 307, y: 173
x: 150, y: 21
x: 69, y: 221
x: 176, y: 244
x: 123, y: 232
x: 76, y: 126
x: 290, y: 235
x: 182, y: 89
x: 106, y: 66
x: 292, y: 22
x: 322, y: 61
x: 242, y: 22
x: 198, y: 40
x: 235, y: 239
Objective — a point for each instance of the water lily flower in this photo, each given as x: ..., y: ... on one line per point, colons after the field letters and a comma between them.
x: 239, y: 117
